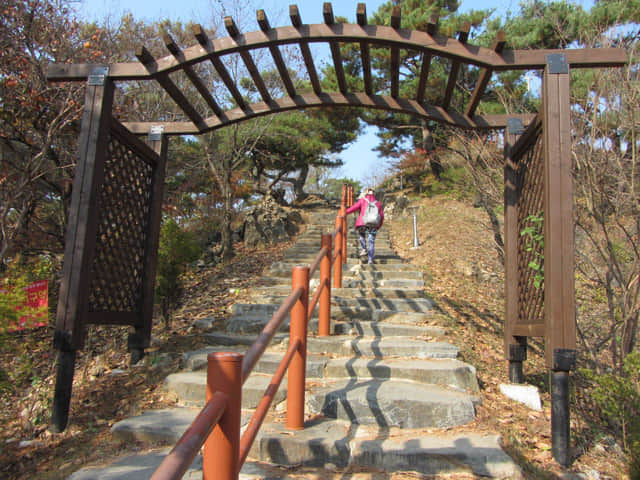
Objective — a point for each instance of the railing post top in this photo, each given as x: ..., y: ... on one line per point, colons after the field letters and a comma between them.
x: 225, y: 357
x: 325, y: 239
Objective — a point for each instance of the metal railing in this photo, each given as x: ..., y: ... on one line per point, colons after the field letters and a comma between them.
x: 217, y: 426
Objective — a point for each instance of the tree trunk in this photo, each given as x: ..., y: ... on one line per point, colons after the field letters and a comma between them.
x: 298, y: 184
x: 227, y: 240
x: 428, y: 145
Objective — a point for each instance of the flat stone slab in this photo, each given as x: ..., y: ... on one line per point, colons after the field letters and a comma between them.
x: 392, y: 403
x: 381, y: 347
x: 165, y: 425
x: 269, y: 292
x: 449, y: 372
x: 419, y: 305
x: 142, y: 467
x: 385, y: 283
x: 387, y: 329
x: 369, y: 275
x: 476, y: 454
x: 341, y: 444
x: 135, y: 467
x: 190, y: 387
x: 526, y: 394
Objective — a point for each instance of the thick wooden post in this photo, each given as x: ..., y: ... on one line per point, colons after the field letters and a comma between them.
x: 515, y: 347
x: 71, y: 318
x: 324, y: 308
x: 82, y: 217
x: 559, y: 303
x: 297, y: 368
x: 141, y: 338
x: 222, y: 448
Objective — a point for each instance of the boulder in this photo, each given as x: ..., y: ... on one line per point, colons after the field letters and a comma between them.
x: 268, y: 223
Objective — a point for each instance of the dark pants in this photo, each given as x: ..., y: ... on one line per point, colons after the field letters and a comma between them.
x: 367, y: 237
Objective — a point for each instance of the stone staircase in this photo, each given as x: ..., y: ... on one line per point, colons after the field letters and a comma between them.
x: 385, y: 392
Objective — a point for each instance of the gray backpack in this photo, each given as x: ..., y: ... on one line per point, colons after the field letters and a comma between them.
x: 371, y: 217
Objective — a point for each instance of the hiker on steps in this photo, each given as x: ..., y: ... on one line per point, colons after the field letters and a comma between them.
x: 368, y: 222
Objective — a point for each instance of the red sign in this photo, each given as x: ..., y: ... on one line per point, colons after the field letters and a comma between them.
x: 38, y: 304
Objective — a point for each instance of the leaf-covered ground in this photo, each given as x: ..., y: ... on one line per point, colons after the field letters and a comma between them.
x: 463, y: 275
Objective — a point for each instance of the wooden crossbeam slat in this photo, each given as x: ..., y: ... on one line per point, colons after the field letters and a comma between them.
x: 263, y: 22
x: 365, y: 56
x: 377, y: 35
x: 485, y: 75
x: 175, y: 50
x: 432, y: 28
x: 172, y: 90
x: 296, y: 21
x: 310, y: 100
x: 394, y: 66
x: 463, y: 36
x: 234, y: 33
x: 327, y: 13
x: 203, y: 40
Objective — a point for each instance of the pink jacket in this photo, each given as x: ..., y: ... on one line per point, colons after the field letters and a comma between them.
x: 361, y: 205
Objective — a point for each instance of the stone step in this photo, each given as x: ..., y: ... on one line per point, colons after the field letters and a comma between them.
x: 142, y: 466
x: 306, y: 453
x: 343, y: 444
x: 352, y: 266
x: 250, y: 318
x: 382, y: 275
x: 387, y: 402
x: 392, y: 403
x: 347, y: 282
x: 449, y: 372
x: 190, y: 389
x: 386, y: 329
x: 380, y: 284
x: 346, y: 345
x: 277, y: 293
x: 388, y: 304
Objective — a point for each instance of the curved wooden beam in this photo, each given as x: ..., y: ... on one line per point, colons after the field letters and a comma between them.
x: 311, y: 100
x: 378, y: 35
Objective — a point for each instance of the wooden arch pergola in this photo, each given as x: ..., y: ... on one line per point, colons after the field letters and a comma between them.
x: 114, y: 219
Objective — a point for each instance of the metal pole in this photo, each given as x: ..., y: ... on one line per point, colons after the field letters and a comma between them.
x: 324, y: 308
x: 560, y: 425
x: 298, y: 331
x: 415, y: 230
x: 222, y: 448
x: 337, y: 267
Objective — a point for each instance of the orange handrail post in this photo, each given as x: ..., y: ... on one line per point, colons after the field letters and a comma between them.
x: 343, y: 212
x: 298, y: 331
x: 221, y: 450
x: 337, y: 267
x: 324, y: 308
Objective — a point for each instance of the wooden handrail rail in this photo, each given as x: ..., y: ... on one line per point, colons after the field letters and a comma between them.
x: 314, y: 301
x: 268, y: 332
x: 260, y: 413
x: 316, y: 263
x: 182, y: 455
x: 297, y: 304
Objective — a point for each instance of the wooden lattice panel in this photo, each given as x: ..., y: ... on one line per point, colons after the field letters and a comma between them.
x: 124, y: 206
x: 531, y: 203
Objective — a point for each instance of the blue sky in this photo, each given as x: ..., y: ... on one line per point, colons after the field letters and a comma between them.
x: 361, y: 162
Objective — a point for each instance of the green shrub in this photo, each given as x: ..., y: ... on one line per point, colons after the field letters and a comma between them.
x: 534, y: 231
x: 177, y: 249
x: 617, y: 399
